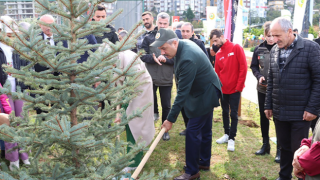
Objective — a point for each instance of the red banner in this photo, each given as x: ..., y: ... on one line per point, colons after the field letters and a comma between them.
x: 175, y: 19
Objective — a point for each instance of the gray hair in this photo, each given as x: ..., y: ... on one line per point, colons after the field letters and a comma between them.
x: 123, y: 33
x: 163, y: 15
x: 24, y: 25
x: 174, y: 25
x: 284, y: 23
x: 179, y: 24
x: 170, y: 41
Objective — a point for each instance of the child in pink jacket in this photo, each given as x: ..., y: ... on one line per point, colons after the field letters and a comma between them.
x: 13, y: 156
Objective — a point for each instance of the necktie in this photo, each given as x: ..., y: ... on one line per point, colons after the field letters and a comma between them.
x: 48, y: 41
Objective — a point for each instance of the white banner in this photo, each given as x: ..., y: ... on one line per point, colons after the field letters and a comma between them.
x: 211, y: 18
x: 238, y: 32
x: 299, y: 10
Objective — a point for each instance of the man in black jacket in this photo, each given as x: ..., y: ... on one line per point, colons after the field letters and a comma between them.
x: 188, y: 33
x: 293, y: 90
x: 160, y: 69
x: 101, y: 14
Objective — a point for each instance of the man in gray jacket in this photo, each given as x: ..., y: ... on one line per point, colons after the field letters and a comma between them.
x: 160, y: 69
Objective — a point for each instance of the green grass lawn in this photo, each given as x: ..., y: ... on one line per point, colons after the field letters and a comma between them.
x: 242, y: 164
x: 238, y: 165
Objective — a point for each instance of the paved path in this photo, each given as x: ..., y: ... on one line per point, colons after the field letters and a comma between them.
x: 250, y: 90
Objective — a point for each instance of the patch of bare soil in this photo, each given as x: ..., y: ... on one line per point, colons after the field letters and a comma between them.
x: 249, y: 123
x: 217, y: 120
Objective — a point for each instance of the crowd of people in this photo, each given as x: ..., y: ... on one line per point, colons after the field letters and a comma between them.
x: 286, y: 67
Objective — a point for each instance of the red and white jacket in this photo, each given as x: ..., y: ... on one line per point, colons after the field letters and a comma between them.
x: 231, y: 67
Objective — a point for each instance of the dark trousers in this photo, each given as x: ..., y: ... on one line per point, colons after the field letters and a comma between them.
x: 289, y: 136
x: 230, y: 101
x: 264, y: 121
x: 198, y: 142
x: 165, y: 97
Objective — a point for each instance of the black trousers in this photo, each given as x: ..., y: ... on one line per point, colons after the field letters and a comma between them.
x: 289, y: 136
x: 264, y: 121
x: 230, y: 101
x: 165, y: 97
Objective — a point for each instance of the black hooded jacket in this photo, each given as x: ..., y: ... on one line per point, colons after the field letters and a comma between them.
x: 112, y: 36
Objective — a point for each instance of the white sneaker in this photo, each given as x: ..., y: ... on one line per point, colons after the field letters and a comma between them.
x: 230, y: 145
x: 223, y: 139
x: 27, y: 162
x: 12, y: 164
x: 129, y: 169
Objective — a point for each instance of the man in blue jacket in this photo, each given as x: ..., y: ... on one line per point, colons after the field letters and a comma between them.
x: 198, y: 92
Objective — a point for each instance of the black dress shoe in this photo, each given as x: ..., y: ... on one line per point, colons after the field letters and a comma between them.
x: 166, y: 136
x: 265, y: 149
x: 203, y: 168
x: 183, y: 133
x: 186, y: 176
x: 277, y: 158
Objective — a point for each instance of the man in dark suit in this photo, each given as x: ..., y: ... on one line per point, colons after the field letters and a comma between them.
x: 198, y: 92
x: 293, y: 91
x: 48, y: 36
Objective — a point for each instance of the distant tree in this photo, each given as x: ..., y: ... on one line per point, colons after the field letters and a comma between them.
x: 272, y: 14
x: 253, y: 17
x: 257, y: 31
x: 197, y: 24
x: 315, y: 20
x: 189, y: 14
x: 312, y: 31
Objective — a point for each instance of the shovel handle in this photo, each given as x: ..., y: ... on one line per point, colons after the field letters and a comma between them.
x: 148, y: 154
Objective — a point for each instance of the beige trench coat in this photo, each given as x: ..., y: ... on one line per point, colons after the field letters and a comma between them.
x: 142, y: 128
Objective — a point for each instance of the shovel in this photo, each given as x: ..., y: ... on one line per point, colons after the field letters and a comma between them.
x: 146, y: 157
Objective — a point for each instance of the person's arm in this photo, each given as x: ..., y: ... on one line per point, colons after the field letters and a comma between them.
x: 243, y: 68
x: 217, y: 65
x: 168, y: 61
x: 268, y: 100
x: 147, y: 58
x: 204, y: 49
x: 310, y: 160
x: 187, y: 73
x: 255, y: 64
x: 114, y: 38
x: 306, y: 142
x: 313, y: 105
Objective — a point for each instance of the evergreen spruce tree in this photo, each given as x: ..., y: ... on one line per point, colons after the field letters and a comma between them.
x: 76, y: 140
